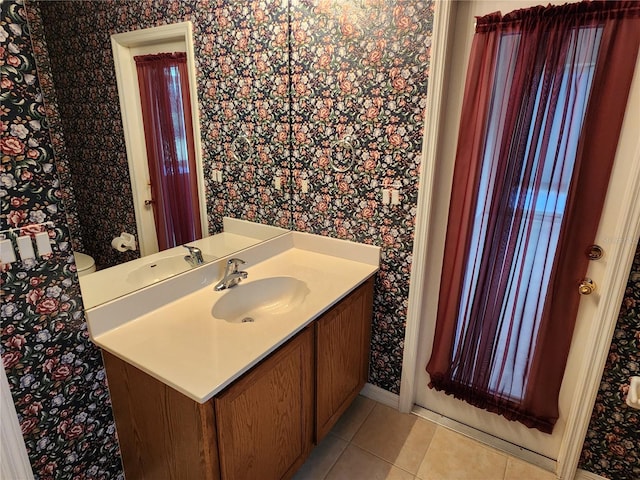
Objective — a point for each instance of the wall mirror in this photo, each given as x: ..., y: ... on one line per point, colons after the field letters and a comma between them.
x: 157, y: 88
x: 241, y: 61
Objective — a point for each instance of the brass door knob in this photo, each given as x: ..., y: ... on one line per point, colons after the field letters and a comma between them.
x: 586, y: 287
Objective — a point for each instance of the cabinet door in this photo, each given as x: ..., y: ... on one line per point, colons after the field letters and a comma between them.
x: 265, y: 419
x: 342, y: 356
x: 163, y: 434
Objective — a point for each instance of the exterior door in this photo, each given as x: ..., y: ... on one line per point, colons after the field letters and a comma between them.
x: 514, y: 432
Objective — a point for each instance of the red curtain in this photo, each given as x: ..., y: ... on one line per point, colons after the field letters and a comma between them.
x: 166, y: 110
x: 545, y: 96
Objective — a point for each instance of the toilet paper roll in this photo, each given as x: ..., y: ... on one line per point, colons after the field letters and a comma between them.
x: 124, y: 242
x: 633, y: 395
x: 118, y: 244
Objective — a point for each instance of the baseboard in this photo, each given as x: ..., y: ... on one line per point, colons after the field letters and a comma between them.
x: 584, y: 475
x: 380, y: 395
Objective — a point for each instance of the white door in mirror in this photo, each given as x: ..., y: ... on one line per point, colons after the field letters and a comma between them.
x: 633, y: 396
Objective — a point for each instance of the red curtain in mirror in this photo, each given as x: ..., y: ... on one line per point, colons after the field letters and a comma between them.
x: 166, y: 111
x: 544, y: 101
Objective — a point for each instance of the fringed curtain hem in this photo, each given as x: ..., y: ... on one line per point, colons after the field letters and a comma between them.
x: 508, y: 409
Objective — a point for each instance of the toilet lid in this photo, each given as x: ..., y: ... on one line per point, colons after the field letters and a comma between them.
x: 83, y: 261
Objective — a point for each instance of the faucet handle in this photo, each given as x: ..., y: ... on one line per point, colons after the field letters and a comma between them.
x: 231, y: 275
x: 195, y: 255
x: 233, y: 263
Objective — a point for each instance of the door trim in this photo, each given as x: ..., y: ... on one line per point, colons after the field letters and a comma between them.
x: 133, y: 127
x: 599, y: 341
x: 15, y: 460
x: 608, y: 309
x: 443, y: 21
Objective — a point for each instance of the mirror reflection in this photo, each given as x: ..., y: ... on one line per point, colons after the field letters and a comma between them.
x: 166, y: 115
x: 156, y: 82
x: 110, y: 283
x: 241, y: 63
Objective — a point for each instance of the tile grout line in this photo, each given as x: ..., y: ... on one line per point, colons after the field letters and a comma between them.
x: 383, y: 459
x: 414, y: 474
x: 428, y: 447
x: 364, y: 421
x: 350, y: 441
x: 506, y: 466
x: 508, y: 458
x: 336, y: 461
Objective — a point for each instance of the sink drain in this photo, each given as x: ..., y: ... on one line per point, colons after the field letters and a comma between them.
x: 247, y: 320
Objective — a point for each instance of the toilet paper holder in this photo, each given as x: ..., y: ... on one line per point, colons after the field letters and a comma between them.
x: 126, y: 241
x: 633, y: 395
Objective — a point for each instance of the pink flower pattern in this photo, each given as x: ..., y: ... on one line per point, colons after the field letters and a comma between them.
x: 358, y: 68
x: 55, y: 373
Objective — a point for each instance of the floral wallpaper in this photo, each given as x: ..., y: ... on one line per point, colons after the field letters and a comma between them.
x: 242, y: 55
x: 55, y: 373
x: 359, y: 70
x: 54, y: 121
x: 359, y: 74
x: 611, y: 445
x: 243, y: 65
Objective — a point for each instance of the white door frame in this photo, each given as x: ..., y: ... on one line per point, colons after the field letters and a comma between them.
x: 608, y: 307
x: 13, y: 452
x: 127, y: 81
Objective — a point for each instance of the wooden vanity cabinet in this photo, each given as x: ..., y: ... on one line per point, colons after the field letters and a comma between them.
x: 265, y: 419
x: 343, y: 336
x: 264, y: 424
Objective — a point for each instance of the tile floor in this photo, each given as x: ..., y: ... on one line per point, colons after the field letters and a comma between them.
x: 374, y: 442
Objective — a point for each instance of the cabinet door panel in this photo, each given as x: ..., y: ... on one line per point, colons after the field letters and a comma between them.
x: 162, y: 433
x: 266, y: 418
x: 342, y: 353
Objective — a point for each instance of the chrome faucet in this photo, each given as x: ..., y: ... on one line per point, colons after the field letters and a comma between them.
x: 195, y: 256
x: 231, y: 275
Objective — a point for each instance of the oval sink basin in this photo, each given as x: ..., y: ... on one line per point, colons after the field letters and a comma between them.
x: 260, y: 299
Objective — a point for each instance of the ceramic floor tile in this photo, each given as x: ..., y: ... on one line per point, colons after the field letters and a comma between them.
x: 454, y: 457
x: 399, y: 438
x: 322, y: 458
x: 519, y: 470
x: 356, y: 464
x: 353, y: 418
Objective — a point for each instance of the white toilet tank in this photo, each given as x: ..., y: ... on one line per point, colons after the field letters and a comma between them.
x: 84, y: 263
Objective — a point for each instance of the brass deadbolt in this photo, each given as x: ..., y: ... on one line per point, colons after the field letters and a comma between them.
x: 594, y: 252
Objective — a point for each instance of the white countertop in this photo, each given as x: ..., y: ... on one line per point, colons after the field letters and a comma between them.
x: 179, y: 342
